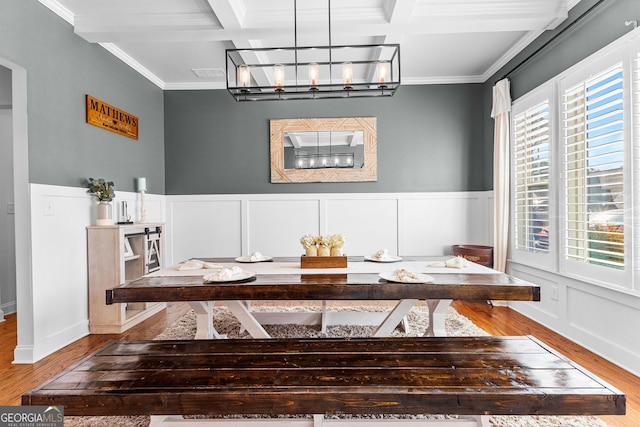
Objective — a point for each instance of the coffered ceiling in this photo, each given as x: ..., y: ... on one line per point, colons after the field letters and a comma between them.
x: 180, y: 44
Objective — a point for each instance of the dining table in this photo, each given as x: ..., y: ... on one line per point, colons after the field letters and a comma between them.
x: 284, y: 280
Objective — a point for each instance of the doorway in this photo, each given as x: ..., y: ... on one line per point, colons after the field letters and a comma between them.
x: 21, y: 207
x: 7, y: 206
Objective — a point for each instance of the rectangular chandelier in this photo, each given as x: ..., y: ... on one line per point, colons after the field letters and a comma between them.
x: 314, y: 72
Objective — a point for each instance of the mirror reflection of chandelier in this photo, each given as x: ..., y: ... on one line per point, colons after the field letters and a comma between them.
x: 325, y: 155
x: 317, y: 161
x: 313, y: 72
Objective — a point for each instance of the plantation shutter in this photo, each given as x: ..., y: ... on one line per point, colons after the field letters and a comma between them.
x: 531, y: 133
x: 593, y: 157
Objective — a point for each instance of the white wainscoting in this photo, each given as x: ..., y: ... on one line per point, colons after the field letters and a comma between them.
x: 57, y: 313
x: 404, y: 223
x: 600, y: 319
x: 224, y: 225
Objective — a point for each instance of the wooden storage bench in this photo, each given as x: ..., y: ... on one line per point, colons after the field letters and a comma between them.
x: 446, y: 375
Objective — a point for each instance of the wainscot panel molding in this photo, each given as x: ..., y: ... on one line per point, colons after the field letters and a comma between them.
x: 404, y: 223
x: 600, y: 319
x: 59, y: 217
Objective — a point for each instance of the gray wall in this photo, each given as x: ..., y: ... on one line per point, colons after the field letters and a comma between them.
x: 62, y: 68
x: 5, y: 87
x: 429, y: 139
x: 601, y: 27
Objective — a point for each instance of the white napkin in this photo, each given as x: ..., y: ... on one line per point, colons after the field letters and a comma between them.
x: 196, y: 264
x: 382, y: 254
x: 192, y: 264
x: 211, y: 265
x: 256, y: 256
x: 405, y: 275
x: 223, y: 274
x: 456, y: 262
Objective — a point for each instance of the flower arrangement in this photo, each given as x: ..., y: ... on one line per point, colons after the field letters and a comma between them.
x: 101, y: 189
x: 308, y: 240
x: 323, y: 245
x: 337, y: 241
x: 323, y: 241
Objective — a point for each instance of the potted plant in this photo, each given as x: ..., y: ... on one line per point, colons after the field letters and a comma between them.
x: 103, y: 191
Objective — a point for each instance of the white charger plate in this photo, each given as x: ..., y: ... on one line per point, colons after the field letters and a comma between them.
x: 389, y: 258
x: 243, y: 275
x: 248, y: 259
x: 391, y: 277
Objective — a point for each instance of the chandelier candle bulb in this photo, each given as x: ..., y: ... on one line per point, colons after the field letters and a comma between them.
x: 278, y: 77
x: 347, y: 74
x: 244, y: 76
x: 383, y: 70
x: 313, y: 75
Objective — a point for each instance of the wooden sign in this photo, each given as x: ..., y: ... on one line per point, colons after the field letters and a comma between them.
x: 108, y: 117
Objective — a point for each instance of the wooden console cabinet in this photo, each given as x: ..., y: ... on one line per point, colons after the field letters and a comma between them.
x: 117, y: 254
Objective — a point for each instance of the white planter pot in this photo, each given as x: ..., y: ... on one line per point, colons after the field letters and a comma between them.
x: 105, y: 213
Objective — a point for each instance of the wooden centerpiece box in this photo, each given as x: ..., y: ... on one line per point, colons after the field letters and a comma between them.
x: 323, y: 261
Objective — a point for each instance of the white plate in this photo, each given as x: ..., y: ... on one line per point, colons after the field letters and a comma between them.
x: 391, y: 277
x: 389, y: 258
x: 248, y: 259
x: 243, y: 275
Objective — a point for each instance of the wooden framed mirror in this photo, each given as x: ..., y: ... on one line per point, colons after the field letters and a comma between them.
x: 324, y: 150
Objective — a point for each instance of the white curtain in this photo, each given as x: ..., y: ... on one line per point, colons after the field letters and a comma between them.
x: 500, y: 114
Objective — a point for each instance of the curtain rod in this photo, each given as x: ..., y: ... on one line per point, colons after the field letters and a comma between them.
x: 578, y: 19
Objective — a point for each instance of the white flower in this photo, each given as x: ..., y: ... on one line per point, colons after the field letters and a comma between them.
x: 308, y: 240
x: 337, y: 240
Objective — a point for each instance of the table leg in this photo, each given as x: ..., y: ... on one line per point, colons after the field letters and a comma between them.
x: 394, y: 317
x: 437, y: 310
x: 323, y: 320
x: 250, y: 323
x: 204, y: 320
x: 248, y: 305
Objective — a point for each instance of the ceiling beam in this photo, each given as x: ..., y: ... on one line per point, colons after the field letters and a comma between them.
x: 230, y: 13
x: 197, y: 27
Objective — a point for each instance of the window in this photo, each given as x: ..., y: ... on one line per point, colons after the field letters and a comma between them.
x: 593, y: 157
x: 531, y: 133
x: 575, y: 157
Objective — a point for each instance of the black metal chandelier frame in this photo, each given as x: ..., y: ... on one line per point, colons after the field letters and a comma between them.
x: 287, y: 81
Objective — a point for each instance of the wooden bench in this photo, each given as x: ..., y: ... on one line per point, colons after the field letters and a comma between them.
x: 467, y: 376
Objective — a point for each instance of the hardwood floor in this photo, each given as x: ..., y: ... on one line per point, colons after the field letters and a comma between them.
x: 18, y: 379
x: 504, y: 321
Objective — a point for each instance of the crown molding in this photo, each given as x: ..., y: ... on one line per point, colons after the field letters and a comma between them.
x: 124, y: 57
x: 195, y: 86
x: 59, y: 10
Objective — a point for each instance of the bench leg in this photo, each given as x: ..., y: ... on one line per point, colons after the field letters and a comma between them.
x: 179, y: 421
x: 318, y: 421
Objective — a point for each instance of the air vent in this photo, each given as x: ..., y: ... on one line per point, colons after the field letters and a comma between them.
x: 207, y: 73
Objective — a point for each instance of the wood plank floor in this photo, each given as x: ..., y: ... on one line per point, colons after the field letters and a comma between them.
x: 18, y: 379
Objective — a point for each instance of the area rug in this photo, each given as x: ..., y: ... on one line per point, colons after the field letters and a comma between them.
x: 226, y: 323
